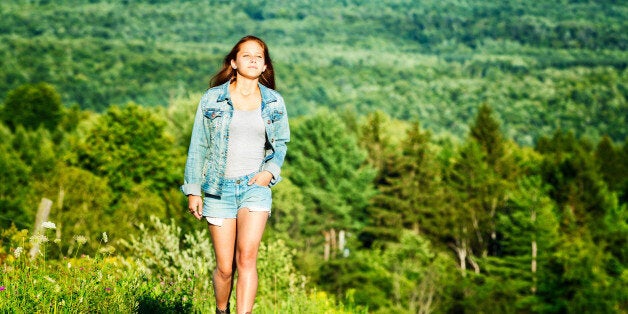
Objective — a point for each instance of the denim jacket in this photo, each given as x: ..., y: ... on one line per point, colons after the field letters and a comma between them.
x: 207, y: 154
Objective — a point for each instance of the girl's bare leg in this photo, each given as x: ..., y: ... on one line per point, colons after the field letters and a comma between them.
x: 223, y: 239
x: 250, y: 228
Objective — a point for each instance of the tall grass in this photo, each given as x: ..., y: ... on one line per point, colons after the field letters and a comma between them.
x: 166, y: 272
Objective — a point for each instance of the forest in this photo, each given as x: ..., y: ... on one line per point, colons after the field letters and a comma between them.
x: 446, y: 156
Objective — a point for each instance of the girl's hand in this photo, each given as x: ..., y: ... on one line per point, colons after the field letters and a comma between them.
x: 195, y: 205
x: 261, y: 178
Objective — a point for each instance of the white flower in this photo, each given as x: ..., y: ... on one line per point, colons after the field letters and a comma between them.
x: 38, y: 239
x: 80, y: 239
x: 18, y: 251
x: 104, y: 237
x: 107, y: 250
x: 49, y: 225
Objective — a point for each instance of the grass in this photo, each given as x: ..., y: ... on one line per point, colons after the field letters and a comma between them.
x: 153, y: 279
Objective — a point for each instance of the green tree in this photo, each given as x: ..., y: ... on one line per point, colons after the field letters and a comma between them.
x: 528, y: 237
x: 419, y: 275
x: 477, y: 182
x: 289, y: 212
x: 37, y: 149
x: 613, y: 166
x: 15, y: 184
x: 362, y: 277
x: 485, y: 130
x: 382, y: 223
x: 591, y: 258
x: 31, y: 106
x: 410, y: 189
x: 330, y: 168
x: 128, y: 146
x: 81, y: 207
x: 578, y: 188
x: 471, y: 204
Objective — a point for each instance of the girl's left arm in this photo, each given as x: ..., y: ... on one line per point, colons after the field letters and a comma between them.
x: 278, y: 140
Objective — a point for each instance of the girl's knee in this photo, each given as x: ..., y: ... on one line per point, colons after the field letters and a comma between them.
x: 247, y: 260
x: 224, y: 272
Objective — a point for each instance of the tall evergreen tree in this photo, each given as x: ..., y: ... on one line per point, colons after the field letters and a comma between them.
x: 375, y: 139
x: 528, y: 237
x: 485, y: 130
x: 594, y: 235
x: 331, y: 170
x: 478, y: 182
x: 418, y: 184
x: 613, y: 166
x: 578, y: 187
x: 473, y: 203
x: 382, y: 222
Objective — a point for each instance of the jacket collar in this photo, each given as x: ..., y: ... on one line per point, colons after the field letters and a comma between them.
x: 267, y: 95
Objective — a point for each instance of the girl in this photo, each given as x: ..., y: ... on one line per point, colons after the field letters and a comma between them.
x: 236, y: 152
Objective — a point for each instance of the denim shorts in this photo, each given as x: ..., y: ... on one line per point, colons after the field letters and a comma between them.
x: 237, y: 194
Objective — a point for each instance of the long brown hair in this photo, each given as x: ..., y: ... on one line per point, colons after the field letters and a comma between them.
x: 228, y: 74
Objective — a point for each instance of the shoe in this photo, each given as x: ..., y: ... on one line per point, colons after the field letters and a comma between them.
x: 225, y: 311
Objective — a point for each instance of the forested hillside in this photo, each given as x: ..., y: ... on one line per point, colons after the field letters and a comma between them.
x: 446, y: 156
x: 542, y: 66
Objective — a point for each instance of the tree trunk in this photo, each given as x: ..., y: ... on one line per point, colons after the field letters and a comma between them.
x: 42, y: 215
x: 461, y: 250
x: 534, y: 254
x: 327, y: 245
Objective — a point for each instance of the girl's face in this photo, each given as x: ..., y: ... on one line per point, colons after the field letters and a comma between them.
x: 249, y: 61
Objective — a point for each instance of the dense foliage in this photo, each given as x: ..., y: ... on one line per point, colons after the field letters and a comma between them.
x: 447, y: 157
x: 540, y: 65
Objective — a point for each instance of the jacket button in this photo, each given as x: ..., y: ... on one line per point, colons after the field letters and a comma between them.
x: 268, y: 121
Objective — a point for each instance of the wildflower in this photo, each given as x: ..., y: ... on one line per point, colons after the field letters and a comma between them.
x: 18, y: 251
x: 80, y: 239
x: 49, y: 225
x: 38, y: 239
x: 107, y: 250
x: 2, y: 288
x: 104, y: 237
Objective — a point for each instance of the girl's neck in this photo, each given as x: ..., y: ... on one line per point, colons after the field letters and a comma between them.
x: 245, y: 87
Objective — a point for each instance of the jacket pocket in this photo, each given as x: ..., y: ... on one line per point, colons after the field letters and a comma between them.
x: 212, y: 113
x: 276, y: 115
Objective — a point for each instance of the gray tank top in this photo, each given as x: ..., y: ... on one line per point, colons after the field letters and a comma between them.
x: 247, y: 136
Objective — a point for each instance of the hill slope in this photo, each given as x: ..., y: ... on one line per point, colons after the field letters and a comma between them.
x: 540, y: 65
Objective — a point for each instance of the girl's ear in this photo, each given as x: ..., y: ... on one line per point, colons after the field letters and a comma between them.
x: 233, y: 65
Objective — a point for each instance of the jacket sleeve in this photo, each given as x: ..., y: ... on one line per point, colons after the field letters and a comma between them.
x: 197, y: 153
x: 278, y: 140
